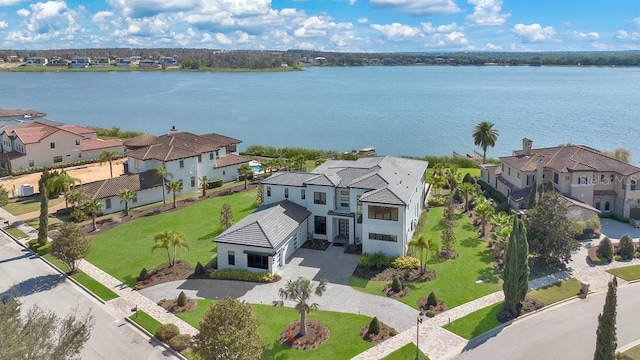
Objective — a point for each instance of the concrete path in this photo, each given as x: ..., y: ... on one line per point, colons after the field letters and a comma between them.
x: 128, y: 297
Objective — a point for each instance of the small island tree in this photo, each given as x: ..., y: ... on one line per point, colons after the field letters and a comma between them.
x: 167, y: 240
x: 70, y: 245
x: 226, y: 216
x: 300, y: 291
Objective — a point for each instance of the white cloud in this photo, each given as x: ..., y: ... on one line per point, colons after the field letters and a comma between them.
x: 493, y: 47
x: 418, y: 7
x: 637, y: 21
x: 457, y: 37
x: 223, y: 39
x: 363, y: 21
x: 447, y: 28
x: 23, y: 12
x: 314, y: 26
x: 352, y: 2
x: 104, y: 19
x: 534, y: 32
x: 4, y: 25
x: 51, y: 19
x: 487, y: 12
x: 428, y: 28
x: 396, y: 31
x: 623, y: 35
x: 583, y: 36
x: 148, y: 8
x: 10, y: 2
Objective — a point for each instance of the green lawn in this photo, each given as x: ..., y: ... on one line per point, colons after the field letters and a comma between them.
x: 475, y: 172
x: 19, y: 206
x: 628, y: 273
x: 456, y: 279
x: 344, y: 341
x: 406, y: 352
x: 124, y: 250
x: 15, y: 232
x: 146, y: 321
x: 483, y: 320
x: 90, y: 283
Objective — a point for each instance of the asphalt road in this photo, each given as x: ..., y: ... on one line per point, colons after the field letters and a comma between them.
x: 112, y: 337
x: 567, y: 331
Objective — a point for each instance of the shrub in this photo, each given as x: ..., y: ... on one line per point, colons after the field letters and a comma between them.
x: 377, y: 260
x: 436, y: 201
x: 497, y: 196
x: 396, y: 285
x: 144, y: 274
x: 456, y: 196
x: 393, y: 332
x: 432, y: 300
x: 215, y: 183
x: 374, y: 327
x: 167, y: 332
x: 626, y: 248
x: 78, y: 215
x: 605, y: 249
x: 32, y: 244
x: 405, y: 263
x: 44, y: 249
x: 182, y: 299
x: 199, y: 269
x: 180, y: 342
x: 242, y: 275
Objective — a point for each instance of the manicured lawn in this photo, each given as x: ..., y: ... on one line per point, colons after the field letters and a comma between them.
x: 475, y: 172
x: 19, y: 206
x: 456, y: 279
x: 15, y: 232
x: 344, y: 341
x: 406, y: 352
x: 485, y: 319
x: 559, y: 291
x: 124, y: 250
x: 628, y: 273
x: 90, y: 283
x: 476, y: 323
x: 146, y: 321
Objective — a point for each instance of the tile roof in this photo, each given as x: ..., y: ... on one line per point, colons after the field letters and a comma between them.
x: 268, y: 227
x: 78, y: 130
x: 21, y: 113
x: 160, y: 152
x: 95, y: 144
x: 111, y: 187
x: 288, y: 178
x: 142, y: 140
x: 569, y: 158
x: 188, y: 141
x: 231, y: 159
x: 495, y: 169
x: 221, y: 139
x: 177, y: 145
x: 32, y: 133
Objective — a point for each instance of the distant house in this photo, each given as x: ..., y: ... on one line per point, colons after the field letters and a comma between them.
x: 148, y: 64
x: 37, y: 61
x: 80, y: 62
x: 40, y: 144
x: 375, y: 202
x: 20, y: 114
x: 584, y: 176
x: 146, y: 185
x: 123, y: 62
x: 100, y: 61
x: 59, y: 62
x: 170, y: 61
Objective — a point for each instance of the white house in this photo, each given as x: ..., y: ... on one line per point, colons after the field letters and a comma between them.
x: 146, y: 185
x: 40, y: 144
x: 37, y: 61
x: 186, y: 156
x: 374, y: 201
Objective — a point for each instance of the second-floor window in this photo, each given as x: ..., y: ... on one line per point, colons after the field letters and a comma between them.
x: 181, y: 164
x: 193, y: 181
x: 286, y: 193
x: 383, y: 213
x: 302, y: 194
x: 358, y: 210
x: 344, y: 198
x: 77, y: 141
x: 53, y: 145
x: 319, y: 197
x: 211, y: 156
x: 633, y: 186
x: 199, y: 158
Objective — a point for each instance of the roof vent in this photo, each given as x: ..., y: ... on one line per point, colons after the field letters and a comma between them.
x: 174, y: 129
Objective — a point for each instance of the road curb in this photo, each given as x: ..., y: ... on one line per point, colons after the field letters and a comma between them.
x: 150, y: 335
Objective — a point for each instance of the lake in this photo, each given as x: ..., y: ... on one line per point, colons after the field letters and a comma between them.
x: 398, y: 110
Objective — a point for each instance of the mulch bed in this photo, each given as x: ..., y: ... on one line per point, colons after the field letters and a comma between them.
x: 387, y: 274
x: 172, y: 305
x: 316, y: 245
x: 165, y: 273
x: 317, y: 334
x: 529, y: 305
x: 431, y: 311
x: 387, y: 291
x: 385, y: 332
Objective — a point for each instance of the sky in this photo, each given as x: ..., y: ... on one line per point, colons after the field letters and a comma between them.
x: 326, y: 25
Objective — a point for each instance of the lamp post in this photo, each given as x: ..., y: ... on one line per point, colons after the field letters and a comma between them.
x: 419, y: 319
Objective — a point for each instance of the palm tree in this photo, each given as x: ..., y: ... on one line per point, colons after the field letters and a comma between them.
x: 126, y: 195
x: 161, y: 171
x: 93, y: 208
x: 436, y: 181
x: 485, y: 209
x: 467, y: 189
x: 270, y: 165
x: 76, y: 198
x: 108, y: 156
x: 62, y: 182
x: 204, y: 182
x: 421, y: 245
x: 300, y: 291
x: 174, y: 187
x: 245, y: 171
x: 452, y: 176
x: 484, y: 135
x: 168, y: 239
x: 299, y: 162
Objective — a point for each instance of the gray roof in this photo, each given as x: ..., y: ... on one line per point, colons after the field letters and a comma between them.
x: 268, y: 227
x: 398, y: 177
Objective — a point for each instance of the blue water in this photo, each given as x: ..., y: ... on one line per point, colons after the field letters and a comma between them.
x: 256, y: 168
x: 397, y: 110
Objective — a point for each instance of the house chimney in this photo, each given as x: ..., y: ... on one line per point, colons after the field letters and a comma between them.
x: 526, y: 146
x: 173, y: 129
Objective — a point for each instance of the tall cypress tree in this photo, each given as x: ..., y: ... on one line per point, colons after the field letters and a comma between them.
x: 549, y: 186
x: 532, y: 200
x: 43, y: 223
x: 516, y: 269
x: 606, y: 342
x: 523, y: 261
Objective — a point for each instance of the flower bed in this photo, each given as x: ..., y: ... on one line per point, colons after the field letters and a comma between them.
x: 317, y: 334
x: 244, y: 275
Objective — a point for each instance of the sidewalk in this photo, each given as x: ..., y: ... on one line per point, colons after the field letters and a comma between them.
x: 128, y: 298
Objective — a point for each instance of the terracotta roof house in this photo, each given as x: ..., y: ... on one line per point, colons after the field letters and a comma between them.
x: 146, y: 185
x: 372, y: 201
x: 186, y: 156
x: 40, y: 143
x: 582, y: 174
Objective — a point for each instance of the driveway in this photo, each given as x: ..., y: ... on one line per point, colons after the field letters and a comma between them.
x: 332, y: 264
x: 615, y: 229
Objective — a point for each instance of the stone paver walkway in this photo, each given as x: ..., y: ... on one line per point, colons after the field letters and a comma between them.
x: 128, y: 297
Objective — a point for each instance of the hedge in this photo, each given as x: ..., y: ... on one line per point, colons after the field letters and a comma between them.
x: 215, y: 183
x: 242, y: 275
x: 495, y: 194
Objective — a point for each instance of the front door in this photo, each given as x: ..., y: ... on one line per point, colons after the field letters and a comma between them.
x: 343, y: 228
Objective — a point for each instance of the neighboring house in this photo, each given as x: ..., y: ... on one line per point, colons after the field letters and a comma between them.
x: 148, y: 64
x: 80, y: 62
x: 100, y: 61
x: 264, y: 240
x: 581, y: 174
x: 40, y: 144
x: 20, y: 114
x: 36, y: 61
x: 123, y: 62
x: 188, y: 157
x: 146, y: 185
x: 374, y: 201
